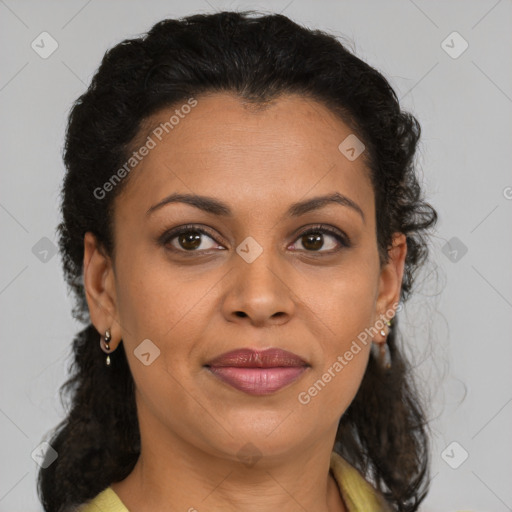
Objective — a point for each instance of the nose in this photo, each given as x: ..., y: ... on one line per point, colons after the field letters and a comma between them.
x: 258, y: 293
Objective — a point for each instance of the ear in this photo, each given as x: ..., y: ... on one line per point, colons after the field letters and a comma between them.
x: 100, y: 290
x: 391, y: 276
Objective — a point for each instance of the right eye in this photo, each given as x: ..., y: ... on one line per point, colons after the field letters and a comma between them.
x: 187, y: 239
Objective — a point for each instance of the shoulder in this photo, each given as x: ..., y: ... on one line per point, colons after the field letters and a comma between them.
x: 358, y: 494
x: 106, y: 501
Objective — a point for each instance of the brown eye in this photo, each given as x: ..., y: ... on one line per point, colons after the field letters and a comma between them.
x: 314, y: 239
x: 187, y: 239
x: 192, y: 239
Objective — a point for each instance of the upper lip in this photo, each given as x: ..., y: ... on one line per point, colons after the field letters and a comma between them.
x: 249, y: 358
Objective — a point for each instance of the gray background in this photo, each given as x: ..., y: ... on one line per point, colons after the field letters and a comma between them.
x: 458, y: 324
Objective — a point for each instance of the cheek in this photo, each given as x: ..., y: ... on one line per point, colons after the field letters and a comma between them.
x: 168, y: 307
x: 157, y: 305
x: 152, y: 298
x: 347, y: 304
x: 346, y: 309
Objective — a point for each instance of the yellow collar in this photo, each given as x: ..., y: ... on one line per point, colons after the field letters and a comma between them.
x: 357, y: 493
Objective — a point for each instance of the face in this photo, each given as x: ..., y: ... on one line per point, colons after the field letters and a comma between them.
x: 244, y: 275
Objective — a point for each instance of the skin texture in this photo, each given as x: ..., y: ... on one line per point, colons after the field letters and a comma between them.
x: 298, y: 298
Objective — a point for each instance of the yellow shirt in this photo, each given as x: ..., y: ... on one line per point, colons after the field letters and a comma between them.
x: 357, y: 493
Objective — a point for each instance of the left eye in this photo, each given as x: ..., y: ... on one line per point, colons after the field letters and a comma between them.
x: 313, y: 239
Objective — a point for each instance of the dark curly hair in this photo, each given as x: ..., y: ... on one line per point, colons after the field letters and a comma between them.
x: 259, y: 57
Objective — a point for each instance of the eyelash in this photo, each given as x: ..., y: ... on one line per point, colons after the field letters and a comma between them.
x: 341, y: 238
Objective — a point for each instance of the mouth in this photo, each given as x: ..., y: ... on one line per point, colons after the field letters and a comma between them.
x: 258, y: 372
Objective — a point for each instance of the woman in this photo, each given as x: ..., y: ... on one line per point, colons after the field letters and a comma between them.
x: 241, y: 219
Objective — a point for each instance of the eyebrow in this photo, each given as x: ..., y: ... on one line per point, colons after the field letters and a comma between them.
x: 216, y: 207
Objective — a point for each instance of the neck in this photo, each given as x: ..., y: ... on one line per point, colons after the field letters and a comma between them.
x: 172, y: 472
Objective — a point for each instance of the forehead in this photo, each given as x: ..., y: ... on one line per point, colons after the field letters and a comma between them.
x: 284, y: 150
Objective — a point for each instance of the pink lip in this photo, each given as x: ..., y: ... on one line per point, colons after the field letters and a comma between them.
x: 258, y: 372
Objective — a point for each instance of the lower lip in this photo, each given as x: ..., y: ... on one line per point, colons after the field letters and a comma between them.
x: 258, y: 381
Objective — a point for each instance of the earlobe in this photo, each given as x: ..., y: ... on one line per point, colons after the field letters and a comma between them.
x: 100, y: 289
